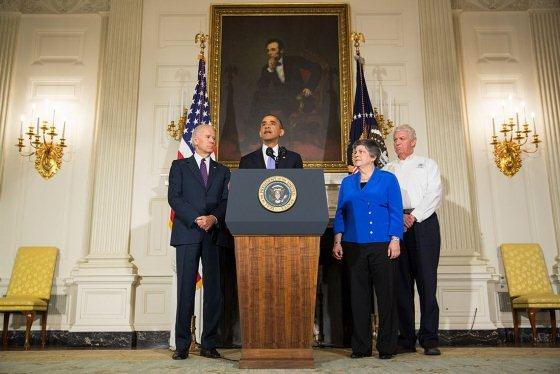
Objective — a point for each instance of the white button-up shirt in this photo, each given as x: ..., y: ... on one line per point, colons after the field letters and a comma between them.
x: 420, y: 183
x: 265, y: 156
x: 199, y: 158
x: 279, y: 70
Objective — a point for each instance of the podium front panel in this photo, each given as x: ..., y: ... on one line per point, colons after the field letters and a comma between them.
x: 246, y: 215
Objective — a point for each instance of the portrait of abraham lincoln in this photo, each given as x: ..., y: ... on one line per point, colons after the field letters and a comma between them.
x: 285, y: 61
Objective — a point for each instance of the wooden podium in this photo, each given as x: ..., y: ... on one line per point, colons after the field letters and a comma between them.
x: 277, y: 255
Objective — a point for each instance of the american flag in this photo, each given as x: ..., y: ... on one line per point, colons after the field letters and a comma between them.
x: 363, y: 123
x: 199, y: 113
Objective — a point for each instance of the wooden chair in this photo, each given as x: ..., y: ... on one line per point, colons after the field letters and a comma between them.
x: 529, y: 285
x: 29, y: 290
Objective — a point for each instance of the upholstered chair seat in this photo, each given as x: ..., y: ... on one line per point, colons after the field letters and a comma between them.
x: 19, y: 303
x: 541, y: 301
x: 529, y: 285
x: 29, y: 290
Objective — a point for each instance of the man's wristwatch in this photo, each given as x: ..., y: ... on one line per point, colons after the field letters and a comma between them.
x: 395, y: 239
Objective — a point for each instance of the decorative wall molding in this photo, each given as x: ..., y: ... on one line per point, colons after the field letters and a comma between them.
x: 391, y: 74
x: 9, y: 32
x: 163, y: 148
x: 175, y: 75
x: 381, y: 28
x: 55, y: 6
x: 159, y: 232
x: 55, y: 89
x: 546, y: 35
x: 58, y: 46
x: 504, y: 5
x: 442, y: 94
x: 500, y: 87
x: 175, y: 29
x: 496, y: 44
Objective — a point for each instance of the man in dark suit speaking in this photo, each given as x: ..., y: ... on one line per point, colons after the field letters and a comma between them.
x: 271, y: 155
x: 198, y: 192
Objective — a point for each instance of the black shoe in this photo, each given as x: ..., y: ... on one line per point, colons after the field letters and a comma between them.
x: 210, y: 353
x: 434, y: 351
x: 180, y: 354
x: 400, y: 350
x: 360, y: 355
x: 385, y: 356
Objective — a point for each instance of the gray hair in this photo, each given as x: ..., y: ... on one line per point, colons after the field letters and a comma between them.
x: 369, y: 144
x: 405, y: 127
x: 199, y: 128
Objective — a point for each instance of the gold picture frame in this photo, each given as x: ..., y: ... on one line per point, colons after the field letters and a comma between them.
x: 316, y: 35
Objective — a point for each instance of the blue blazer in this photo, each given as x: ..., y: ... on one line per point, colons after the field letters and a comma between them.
x: 188, y: 197
x: 372, y: 214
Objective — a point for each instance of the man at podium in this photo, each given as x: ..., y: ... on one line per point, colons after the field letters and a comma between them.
x: 271, y: 155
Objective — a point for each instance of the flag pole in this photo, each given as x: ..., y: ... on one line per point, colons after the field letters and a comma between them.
x: 201, y: 40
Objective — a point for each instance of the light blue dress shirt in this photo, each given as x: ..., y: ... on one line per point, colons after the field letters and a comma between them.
x: 372, y: 214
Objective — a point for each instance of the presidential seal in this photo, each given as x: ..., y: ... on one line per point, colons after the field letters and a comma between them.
x: 277, y: 194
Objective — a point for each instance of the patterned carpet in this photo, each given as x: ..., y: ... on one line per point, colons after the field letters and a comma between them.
x: 453, y: 360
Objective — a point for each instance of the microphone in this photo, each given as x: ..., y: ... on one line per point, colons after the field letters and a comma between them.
x: 270, y: 152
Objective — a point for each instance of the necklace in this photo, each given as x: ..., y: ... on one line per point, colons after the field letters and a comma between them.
x: 364, y: 179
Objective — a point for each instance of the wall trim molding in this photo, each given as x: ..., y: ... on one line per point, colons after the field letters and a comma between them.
x: 160, y: 339
x: 55, y: 6
x: 504, y: 5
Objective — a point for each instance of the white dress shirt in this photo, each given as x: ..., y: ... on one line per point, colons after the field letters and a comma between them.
x: 265, y: 156
x: 420, y: 183
x: 199, y: 158
x: 279, y: 70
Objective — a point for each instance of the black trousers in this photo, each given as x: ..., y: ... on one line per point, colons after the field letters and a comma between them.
x: 188, y: 257
x: 369, y: 265
x: 418, y: 262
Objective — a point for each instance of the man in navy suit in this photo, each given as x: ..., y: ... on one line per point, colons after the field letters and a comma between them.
x: 271, y: 155
x: 198, y: 192
x: 270, y: 132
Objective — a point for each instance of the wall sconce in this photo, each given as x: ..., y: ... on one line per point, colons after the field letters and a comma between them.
x: 508, y: 150
x: 47, y: 151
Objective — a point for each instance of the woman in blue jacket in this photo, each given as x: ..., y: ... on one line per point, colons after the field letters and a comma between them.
x: 368, y: 226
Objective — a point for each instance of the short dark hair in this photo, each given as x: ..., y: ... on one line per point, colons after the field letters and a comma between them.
x: 370, y: 145
x: 274, y: 40
x: 275, y: 116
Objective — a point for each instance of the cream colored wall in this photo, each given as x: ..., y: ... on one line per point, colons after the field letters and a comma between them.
x: 169, y: 62
x: 56, y: 212
x: 498, y: 62
x: 57, y: 59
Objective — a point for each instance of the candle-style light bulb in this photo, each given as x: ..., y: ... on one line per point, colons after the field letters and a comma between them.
x: 21, y: 127
x: 63, y: 129
x: 493, y: 127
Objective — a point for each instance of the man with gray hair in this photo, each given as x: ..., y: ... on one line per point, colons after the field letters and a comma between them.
x: 198, y: 192
x: 420, y: 182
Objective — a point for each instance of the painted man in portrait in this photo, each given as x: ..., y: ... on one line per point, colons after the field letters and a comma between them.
x: 286, y: 84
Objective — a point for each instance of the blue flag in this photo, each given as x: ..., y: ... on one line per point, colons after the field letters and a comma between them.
x: 363, y: 123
